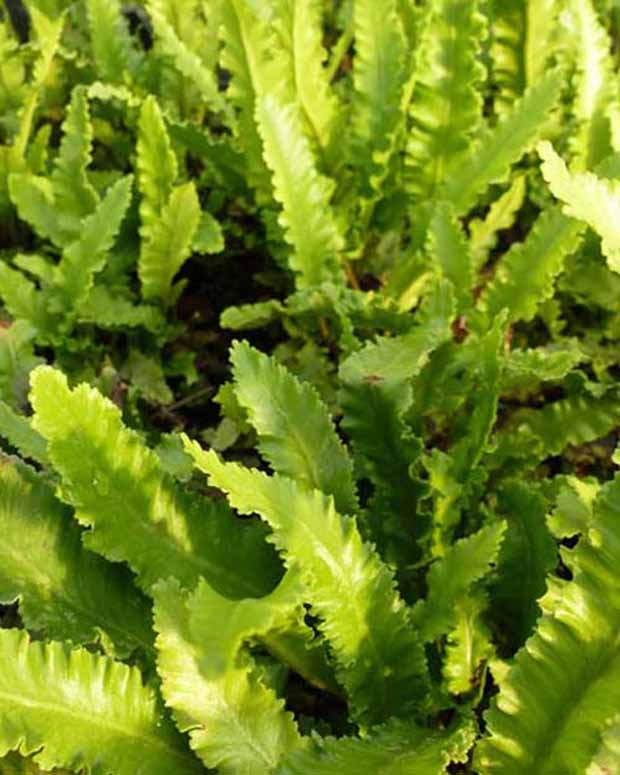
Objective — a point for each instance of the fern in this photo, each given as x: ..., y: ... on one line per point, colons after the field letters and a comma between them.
x: 46, y: 689
x: 63, y: 590
x: 446, y: 106
x: 235, y: 722
x: 111, y: 45
x: 562, y: 689
x: 363, y: 618
x: 498, y: 148
x: 588, y: 198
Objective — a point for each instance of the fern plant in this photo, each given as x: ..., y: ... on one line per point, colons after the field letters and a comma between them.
x: 383, y: 535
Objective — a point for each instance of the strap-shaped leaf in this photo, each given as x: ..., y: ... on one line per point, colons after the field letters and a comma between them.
x: 451, y: 577
x: 450, y: 250
x: 446, y: 107
x: 108, y: 309
x: 307, y: 219
x: 74, y: 196
x: 375, y: 395
x: 592, y: 83
x: 33, y: 197
x: 235, y: 722
x: 380, y: 659
x: 526, y: 369
x: 585, y: 196
x: 63, y: 590
x: 468, y: 644
x: 169, y: 243
x: 398, y: 748
x: 23, y: 300
x: 187, y: 62
x: 79, y: 710
x: 525, y: 275
x: 528, y: 553
x: 109, y: 40
x: 378, y: 80
x: 565, y: 683
x: 299, y: 26
x: 16, y: 429
x: 498, y: 148
x: 87, y: 255
x: 136, y: 513
x: 17, y: 359
x: 501, y: 215
x: 156, y: 163
x: 296, y: 434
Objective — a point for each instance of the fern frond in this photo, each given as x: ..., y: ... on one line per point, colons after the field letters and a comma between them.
x: 501, y: 215
x: 169, y: 243
x: 398, y: 748
x: 565, y: 683
x: 380, y: 659
x: 106, y: 309
x: 528, y: 552
x: 22, y: 299
x: 187, y: 62
x: 82, y: 711
x: 585, y: 196
x: 156, y: 163
x: 446, y: 107
x: 498, y: 148
x: 469, y: 644
x: 17, y: 359
x: 159, y: 531
x: 33, y: 196
x: 378, y: 80
x: 450, y: 250
x: 295, y: 432
x: 592, y: 84
x: 451, y: 578
x: 82, y: 259
x: 235, y: 722
x: 16, y: 429
x: 526, y: 369
x: 74, y: 196
x: 526, y: 274
x: 109, y: 40
x: 375, y: 395
x: 63, y: 590
x: 309, y: 224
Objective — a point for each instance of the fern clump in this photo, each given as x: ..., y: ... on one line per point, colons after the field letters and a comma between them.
x: 309, y: 357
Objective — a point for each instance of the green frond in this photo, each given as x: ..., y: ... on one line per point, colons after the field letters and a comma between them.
x: 187, y: 62
x: 235, y: 722
x: 526, y: 274
x: 87, y: 256
x: 451, y: 252
x: 591, y: 47
x: 574, y: 508
x: 33, y: 196
x: 209, y: 237
x: 17, y: 359
x: 169, y: 243
x: 498, y: 148
x: 468, y: 645
x: 398, y: 748
x: 588, y: 198
x: 528, y: 554
x: 446, y: 107
x: 451, y: 577
x: 380, y: 659
x: 375, y: 395
x: 64, y: 591
x: 16, y: 429
x: 527, y: 369
x: 483, y: 232
x: 106, y: 309
x: 295, y: 432
x: 22, y: 300
x: 378, y: 81
x: 555, y: 700
x: 245, y: 40
x: 109, y: 40
x: 78, y: 710
x: 299, y: 26
x: 74, y: 196
x: 158, y: 530
x: 306, y: 217
x: 156, y: 164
